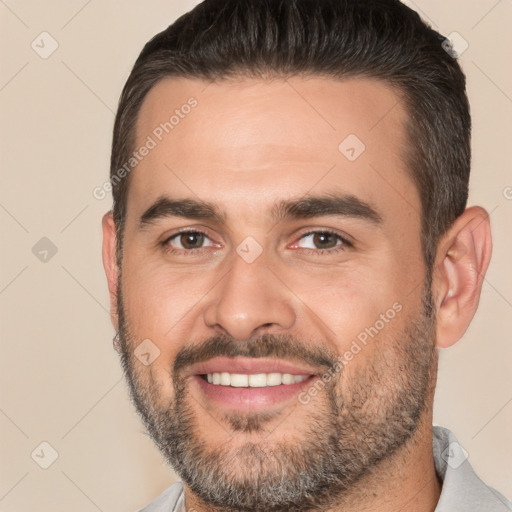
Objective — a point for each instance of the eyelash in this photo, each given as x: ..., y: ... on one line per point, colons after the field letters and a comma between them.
x: 345, y: 244
x: 190, y: 252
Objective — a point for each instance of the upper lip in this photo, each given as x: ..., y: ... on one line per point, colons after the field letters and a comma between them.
x: 249, y: 365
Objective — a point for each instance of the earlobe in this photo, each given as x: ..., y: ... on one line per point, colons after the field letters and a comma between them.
x: 462, y: 261
x: 110, y: 263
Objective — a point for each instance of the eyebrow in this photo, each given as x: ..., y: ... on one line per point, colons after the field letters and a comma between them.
x: 187, y: 208
x: 329, y: 204
x: 303, y: 208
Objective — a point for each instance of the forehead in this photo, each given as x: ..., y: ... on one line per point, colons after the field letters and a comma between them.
x: 270, y: 140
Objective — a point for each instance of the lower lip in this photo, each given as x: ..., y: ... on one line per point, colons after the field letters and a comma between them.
x: 250, y: 399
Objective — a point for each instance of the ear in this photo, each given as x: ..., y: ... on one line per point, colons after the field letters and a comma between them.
x: 110, y: 264
x: 462, y: 259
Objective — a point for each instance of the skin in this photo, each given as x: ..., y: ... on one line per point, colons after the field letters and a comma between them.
x: 247, y: 145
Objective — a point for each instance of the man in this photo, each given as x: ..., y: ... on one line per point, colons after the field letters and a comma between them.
x: 289, y: 247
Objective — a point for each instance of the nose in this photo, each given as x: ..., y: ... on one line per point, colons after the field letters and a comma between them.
x: 249, y: 300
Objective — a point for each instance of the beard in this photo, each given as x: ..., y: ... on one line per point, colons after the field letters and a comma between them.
x: 363, y: 416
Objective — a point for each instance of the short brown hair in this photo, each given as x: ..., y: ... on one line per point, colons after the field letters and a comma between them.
x: 381, y: 39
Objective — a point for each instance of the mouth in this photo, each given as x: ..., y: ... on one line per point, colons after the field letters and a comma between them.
x: 250, y: 384
x: 256, y: 380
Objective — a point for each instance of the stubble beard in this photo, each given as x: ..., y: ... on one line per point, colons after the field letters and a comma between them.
x: 357, y: 425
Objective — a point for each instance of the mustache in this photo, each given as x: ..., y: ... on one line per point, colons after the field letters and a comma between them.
x: 266, y: 345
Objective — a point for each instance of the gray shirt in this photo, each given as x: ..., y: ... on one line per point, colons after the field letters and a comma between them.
x: 462, y: 490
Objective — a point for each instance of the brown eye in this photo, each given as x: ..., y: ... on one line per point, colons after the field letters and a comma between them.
x: 325, y: 240
x: 191, y: 240
x: 188, y: 240
x: 320, y: 240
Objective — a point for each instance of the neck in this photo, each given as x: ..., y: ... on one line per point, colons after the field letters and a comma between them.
x: 407, y: 481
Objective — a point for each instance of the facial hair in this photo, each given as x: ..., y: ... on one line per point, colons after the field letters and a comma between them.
x: 360, y: 421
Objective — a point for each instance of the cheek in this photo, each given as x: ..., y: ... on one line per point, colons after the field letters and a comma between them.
x: 158, y: 300
x: 161, y: 305
x: 353, y: 303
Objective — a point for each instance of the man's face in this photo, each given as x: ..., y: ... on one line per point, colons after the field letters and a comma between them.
x: 306, y: 262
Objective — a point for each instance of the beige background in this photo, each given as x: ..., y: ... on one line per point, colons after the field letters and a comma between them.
x: 60, y: 378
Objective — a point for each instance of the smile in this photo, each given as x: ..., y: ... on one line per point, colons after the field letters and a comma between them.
x: 258, y: 380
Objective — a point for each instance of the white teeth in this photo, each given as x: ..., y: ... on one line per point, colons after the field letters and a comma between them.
x: 238, y: 380
x: 287, y: 378
x: 274, y: 379
x: 257, y: 380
